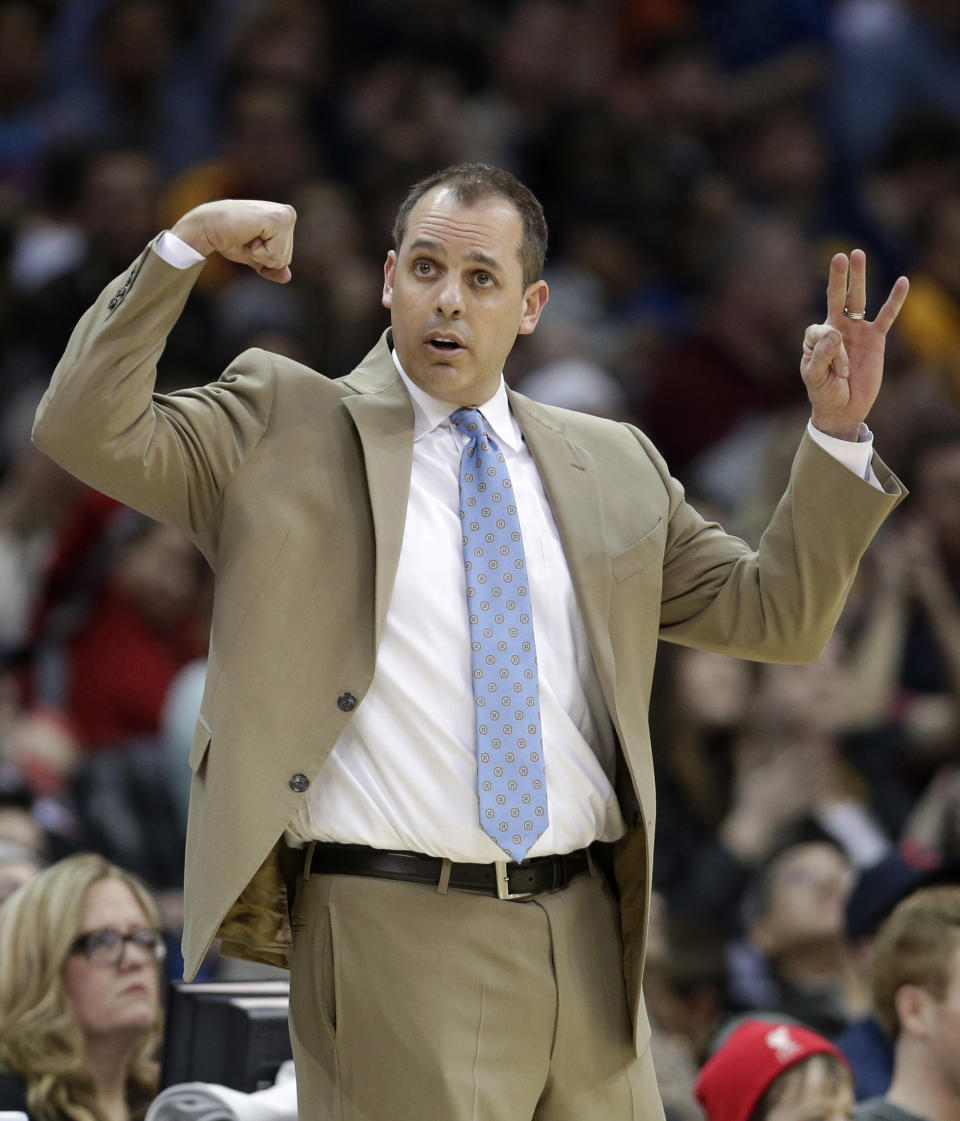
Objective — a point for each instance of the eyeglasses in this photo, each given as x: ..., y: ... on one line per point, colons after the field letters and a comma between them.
x: 106, y: 946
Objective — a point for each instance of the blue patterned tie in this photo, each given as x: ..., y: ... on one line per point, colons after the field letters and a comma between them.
x: 511, y: 783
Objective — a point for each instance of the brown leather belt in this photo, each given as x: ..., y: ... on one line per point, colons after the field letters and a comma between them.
x: 506, y: 880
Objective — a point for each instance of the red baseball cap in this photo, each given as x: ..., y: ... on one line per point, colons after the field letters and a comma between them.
x: 738, y: 1073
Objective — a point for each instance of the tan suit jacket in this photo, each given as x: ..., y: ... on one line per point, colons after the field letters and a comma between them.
x: 294, y: 487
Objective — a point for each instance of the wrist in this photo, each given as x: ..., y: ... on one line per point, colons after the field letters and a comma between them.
x: 837, y: 428
x: 190, y: 230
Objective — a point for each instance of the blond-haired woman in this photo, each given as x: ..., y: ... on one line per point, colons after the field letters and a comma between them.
x: 80, y: 1011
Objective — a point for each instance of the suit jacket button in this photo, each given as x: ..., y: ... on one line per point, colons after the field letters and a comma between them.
x: 346, y: 702
x: 299, y: 783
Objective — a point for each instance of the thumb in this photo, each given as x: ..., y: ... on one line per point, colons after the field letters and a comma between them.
x: 279, y: 276
x: 265, y: 258
x: 267, y: 254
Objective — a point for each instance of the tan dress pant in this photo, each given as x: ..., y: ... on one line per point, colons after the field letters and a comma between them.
x: 411, y: 1005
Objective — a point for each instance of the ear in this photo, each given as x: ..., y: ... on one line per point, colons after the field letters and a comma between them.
x: 914, y: 1008
x: 389, y: 275
x: 534, y: 301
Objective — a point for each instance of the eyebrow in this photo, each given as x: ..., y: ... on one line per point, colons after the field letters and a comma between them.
x: 475, y: 255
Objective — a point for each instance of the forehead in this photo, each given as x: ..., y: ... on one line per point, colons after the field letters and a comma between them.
x: 109, y: 902
x: 798, y: 862
x: 491, y: 226
x: 817, y: 1083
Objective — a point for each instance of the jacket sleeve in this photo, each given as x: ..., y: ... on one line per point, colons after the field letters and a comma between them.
x: 781, y: 601
x: 168, y: 455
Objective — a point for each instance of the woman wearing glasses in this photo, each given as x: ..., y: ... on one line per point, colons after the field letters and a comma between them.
x: 80, y: 1014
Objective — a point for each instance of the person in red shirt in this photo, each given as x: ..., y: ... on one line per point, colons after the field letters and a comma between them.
x: 121, y: 616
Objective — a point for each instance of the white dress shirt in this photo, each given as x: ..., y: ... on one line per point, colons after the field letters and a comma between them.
x: 403, y: 773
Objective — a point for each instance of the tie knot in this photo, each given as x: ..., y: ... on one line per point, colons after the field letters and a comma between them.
x: 469, y: 421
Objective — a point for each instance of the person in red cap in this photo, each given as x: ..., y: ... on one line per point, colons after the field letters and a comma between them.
x: 775, y: 1070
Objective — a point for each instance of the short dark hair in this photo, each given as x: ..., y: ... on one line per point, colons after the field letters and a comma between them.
x: 472, y: 182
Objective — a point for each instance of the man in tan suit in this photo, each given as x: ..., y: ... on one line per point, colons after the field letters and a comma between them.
x: 334, y: 821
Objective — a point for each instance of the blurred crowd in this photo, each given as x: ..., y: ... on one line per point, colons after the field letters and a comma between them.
x: 699, y: 163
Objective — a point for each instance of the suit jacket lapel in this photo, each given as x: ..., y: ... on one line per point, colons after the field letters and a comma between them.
x: 569, y: 478
x: 383, y: 416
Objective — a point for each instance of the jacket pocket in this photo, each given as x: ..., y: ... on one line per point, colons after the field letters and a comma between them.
x: 639, y: 555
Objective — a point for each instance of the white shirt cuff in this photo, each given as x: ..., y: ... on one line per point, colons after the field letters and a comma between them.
x: 176, y: 252
x: 853, y: 454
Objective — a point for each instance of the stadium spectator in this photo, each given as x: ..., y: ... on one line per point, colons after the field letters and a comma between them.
x: 877, y: 891
x: 769, y: 1070
x: 916, y: 993
x: 794, y: 960
x: 124, y: 613
x: 80, y: 1012
x: 759, y: 293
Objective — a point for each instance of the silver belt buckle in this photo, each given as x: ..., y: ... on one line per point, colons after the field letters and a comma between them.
x: 503, y: 884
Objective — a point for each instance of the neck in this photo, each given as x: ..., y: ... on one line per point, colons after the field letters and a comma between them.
x: 919, y: 1084
x: 815, y: 964
x: 107, y: 1064
x: 827, y: 966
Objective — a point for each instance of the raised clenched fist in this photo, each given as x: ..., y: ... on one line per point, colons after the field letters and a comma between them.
x: 254, y: 233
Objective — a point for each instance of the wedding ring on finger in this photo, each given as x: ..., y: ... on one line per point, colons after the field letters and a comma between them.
x: 854, y: 314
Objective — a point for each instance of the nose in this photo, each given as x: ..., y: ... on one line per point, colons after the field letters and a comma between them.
x: 134, y: 956
x: 449, y: 302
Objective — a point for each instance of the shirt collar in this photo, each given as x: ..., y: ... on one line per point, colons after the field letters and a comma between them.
x: 429, y: 413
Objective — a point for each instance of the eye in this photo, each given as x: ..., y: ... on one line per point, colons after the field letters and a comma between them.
x: 484, y: 280
x: 107, y: 938
x: 146, y: 937
x: 423, y: 268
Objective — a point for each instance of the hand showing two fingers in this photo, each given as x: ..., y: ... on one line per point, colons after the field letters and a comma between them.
x: 842, y: 363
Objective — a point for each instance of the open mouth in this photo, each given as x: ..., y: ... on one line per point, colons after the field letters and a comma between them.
x: 444, y: 346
